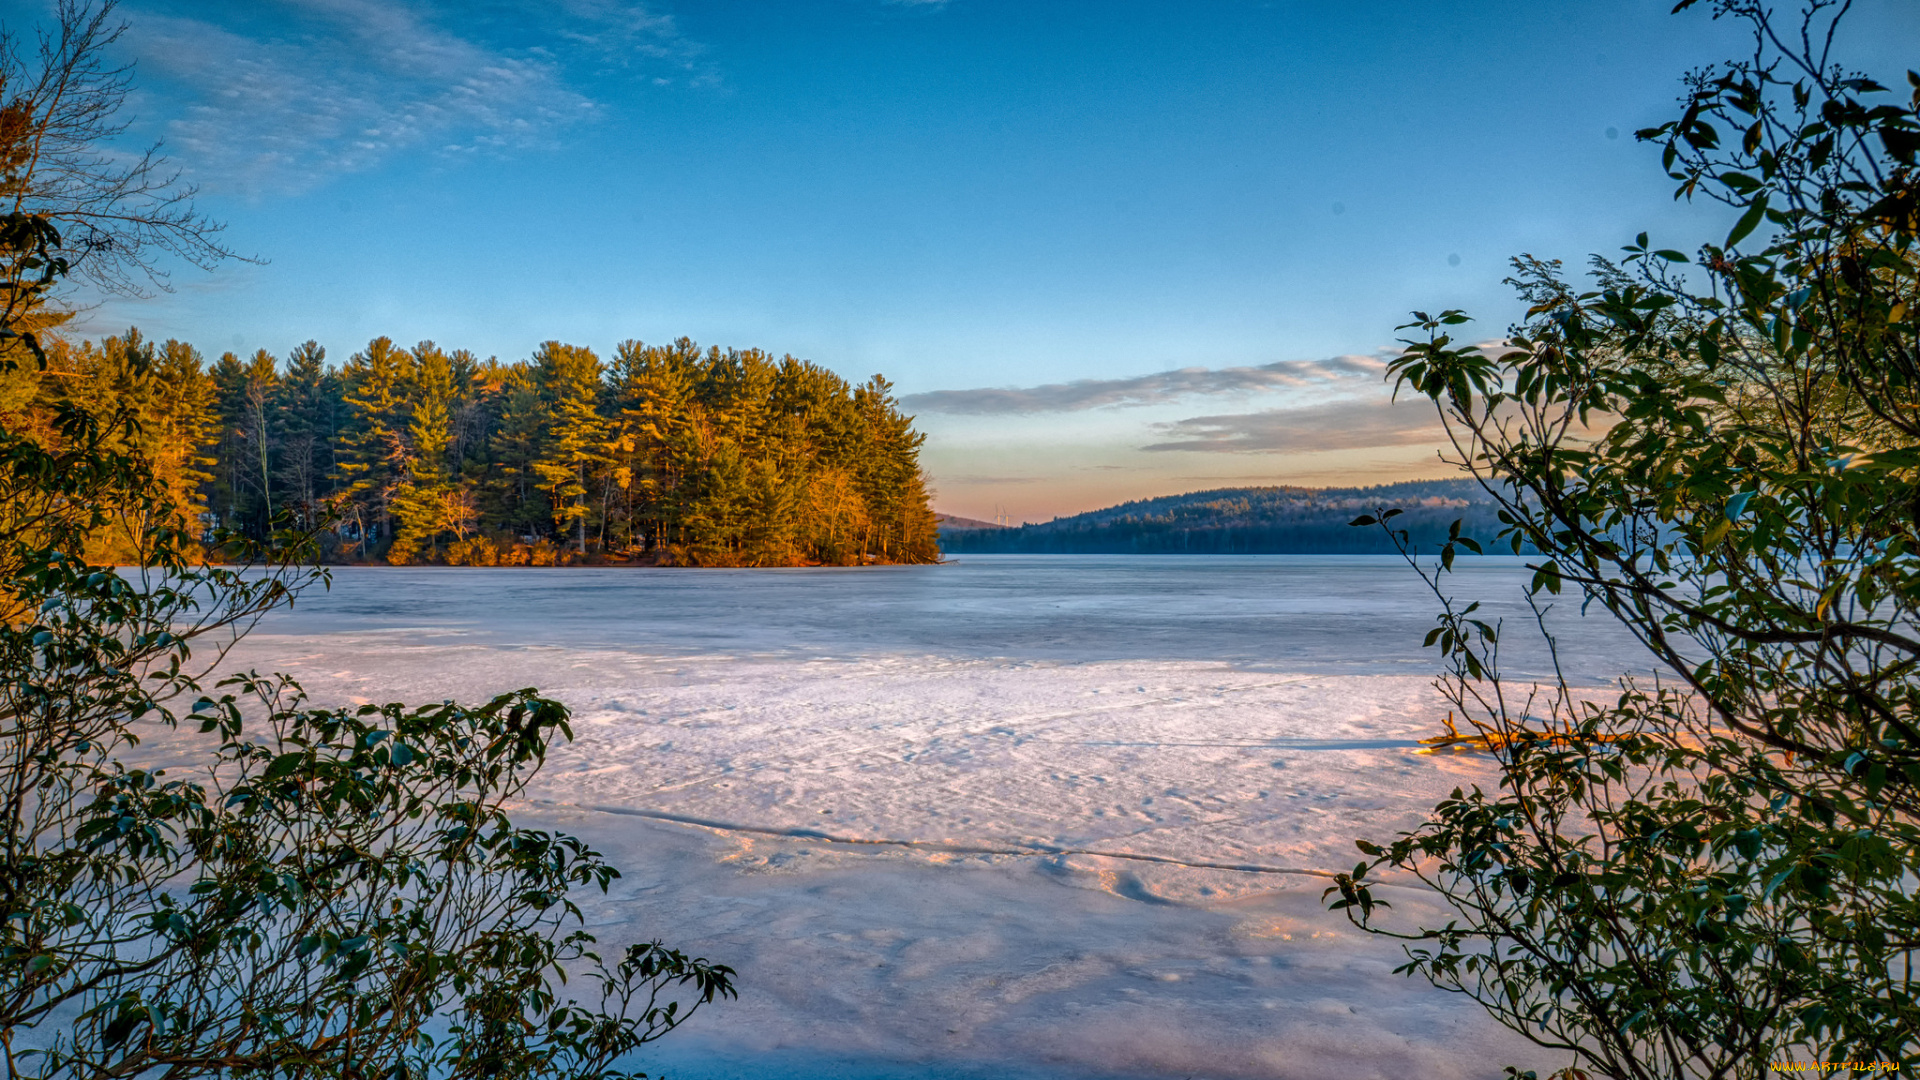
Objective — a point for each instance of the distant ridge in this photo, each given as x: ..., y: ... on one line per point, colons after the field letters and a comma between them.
x: 1248, y: 521
x: 958, y: 523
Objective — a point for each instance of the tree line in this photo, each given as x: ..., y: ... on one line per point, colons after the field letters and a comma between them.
x: 667, y: 454
x: 1247, y: 521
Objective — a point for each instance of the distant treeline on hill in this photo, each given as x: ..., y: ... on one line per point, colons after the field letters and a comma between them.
x: 1249, y: 521
x: 664, y: 454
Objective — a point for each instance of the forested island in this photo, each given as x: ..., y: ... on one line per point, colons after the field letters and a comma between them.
x: 667, y: 454
x: 1247, y: 521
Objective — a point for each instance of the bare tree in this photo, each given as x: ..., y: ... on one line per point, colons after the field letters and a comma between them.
x: 112, y: 220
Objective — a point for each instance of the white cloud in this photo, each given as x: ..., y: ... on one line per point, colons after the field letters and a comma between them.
x: 1161, y: 386
x: 1337, y: 425
x: 301, y: 90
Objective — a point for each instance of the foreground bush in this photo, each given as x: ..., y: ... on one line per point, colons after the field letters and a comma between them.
x: 1711, y: 873
x: 323, y: 892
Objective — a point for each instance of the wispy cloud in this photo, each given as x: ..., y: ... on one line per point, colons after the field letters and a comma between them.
x: 996, y: 480
x: 1337, y: 425
x: 287, y: 94
x: 1162, y: 386
x: 629, y: 34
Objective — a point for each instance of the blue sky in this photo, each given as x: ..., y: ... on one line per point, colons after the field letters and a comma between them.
x: 1073, y: 205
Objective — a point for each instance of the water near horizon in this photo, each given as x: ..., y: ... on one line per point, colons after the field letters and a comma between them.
x: 1052, y: 817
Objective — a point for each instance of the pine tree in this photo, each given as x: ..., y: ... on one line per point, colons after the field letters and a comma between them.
x: 170, y: 399
x: 654, y: 391
x: 470, y: 423
x: 427, y: 502
x: 516, y: 500
x: 890, y: 480
x: 374, y: 451
x: 234, y: 500
x: 181, y: 426
x: 309, y: 427
x: 816, y: 426
x: 259, y: 403
x: 575, y: 443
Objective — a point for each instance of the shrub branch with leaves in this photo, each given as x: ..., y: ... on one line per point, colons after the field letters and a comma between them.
x: 331, y: 892
x: 1714, y: 870
x: 337, y: 893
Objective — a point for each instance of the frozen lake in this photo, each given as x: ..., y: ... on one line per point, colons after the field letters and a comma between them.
x: 1351, y: 614
x: 1046, y: 816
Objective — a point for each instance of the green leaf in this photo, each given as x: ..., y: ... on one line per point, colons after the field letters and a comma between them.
x: 1546, y: 577
x: 1748, y: 222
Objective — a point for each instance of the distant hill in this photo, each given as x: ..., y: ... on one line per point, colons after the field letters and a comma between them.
x: 956, y: 523
x: 1247, y: 521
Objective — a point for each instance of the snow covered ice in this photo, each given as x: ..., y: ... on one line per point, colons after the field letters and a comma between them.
x: 1012, y: 816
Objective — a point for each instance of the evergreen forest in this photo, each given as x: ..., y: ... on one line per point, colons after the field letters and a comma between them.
x: 1248, y: 521
x: 666, y: 455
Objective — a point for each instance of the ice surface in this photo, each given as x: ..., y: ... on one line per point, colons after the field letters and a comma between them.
x: 1018, y: 815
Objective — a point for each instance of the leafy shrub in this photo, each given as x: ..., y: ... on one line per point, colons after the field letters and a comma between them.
x: 1714, y: 871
